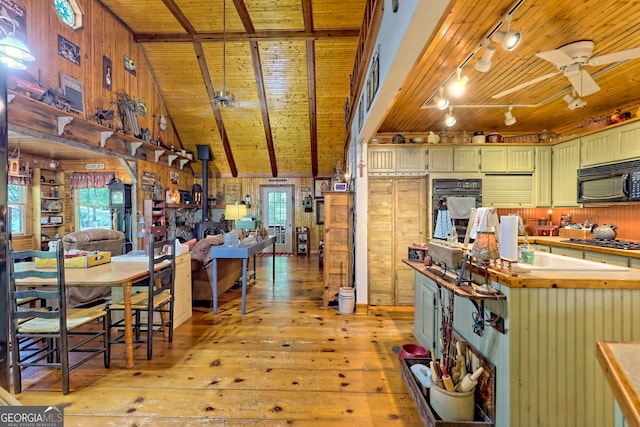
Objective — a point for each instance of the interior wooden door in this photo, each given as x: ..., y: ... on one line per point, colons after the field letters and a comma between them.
x: 397, y: 218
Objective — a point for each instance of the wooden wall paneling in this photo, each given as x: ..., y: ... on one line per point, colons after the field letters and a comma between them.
x: 101, y: 35
x: 380, y: 241
x: 410, y: 224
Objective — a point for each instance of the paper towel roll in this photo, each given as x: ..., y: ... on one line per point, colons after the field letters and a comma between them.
x: 509, y: 237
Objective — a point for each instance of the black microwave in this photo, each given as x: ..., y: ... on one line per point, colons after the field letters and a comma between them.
x: 609, y: 183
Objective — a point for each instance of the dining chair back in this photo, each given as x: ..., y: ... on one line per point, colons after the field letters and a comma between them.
x: 56, y: 329
x: 152, y: 307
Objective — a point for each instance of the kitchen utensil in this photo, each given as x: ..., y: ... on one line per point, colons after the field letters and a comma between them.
x: 604, y: 231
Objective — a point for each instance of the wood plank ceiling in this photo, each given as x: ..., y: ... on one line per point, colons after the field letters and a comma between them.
x: 288, y: 63
x: 545, y: 25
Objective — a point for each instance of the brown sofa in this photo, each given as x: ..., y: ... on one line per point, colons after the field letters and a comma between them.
x: 229, y: 271
x: 96, y: 239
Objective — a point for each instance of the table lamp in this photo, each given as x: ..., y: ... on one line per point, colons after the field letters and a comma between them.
x: 235, y: 212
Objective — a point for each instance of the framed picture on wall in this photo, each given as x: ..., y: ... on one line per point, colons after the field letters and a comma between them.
x: 320, y: 211
x: 320, y: 185
x: 72, y: 89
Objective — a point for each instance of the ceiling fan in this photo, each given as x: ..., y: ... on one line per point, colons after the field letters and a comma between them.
x: 570, y: 60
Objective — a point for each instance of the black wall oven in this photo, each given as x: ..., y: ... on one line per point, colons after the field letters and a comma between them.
x: 466, y: 192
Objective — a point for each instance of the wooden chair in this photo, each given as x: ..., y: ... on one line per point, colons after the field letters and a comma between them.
x: 156, y: 298
x: 56, y: 331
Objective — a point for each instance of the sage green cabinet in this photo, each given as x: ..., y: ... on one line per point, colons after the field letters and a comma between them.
x: 426, y: 325
x: 611, y: 145
x: 542, y: 177
x: 612, y: 259
x: 381, y: 159
x: 508, y: 159
x: 397, y: 160
x: 565, y: 161
x: 440, y: 159
x: 466, y: 159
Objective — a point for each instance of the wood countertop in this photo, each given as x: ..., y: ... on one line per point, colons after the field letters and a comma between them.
x: 619, y: 362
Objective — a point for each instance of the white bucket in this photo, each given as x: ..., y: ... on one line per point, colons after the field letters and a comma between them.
x: 346, y: 300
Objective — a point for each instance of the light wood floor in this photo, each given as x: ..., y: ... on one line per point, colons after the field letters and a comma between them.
x: 286, y: 362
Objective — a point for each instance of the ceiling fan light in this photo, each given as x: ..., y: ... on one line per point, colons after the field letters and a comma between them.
x: 509, y: 39
x: 484, y: 64
x: 573, y: 102
x: 224, y: 98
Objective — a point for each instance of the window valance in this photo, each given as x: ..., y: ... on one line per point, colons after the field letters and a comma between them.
x: 90, y: 179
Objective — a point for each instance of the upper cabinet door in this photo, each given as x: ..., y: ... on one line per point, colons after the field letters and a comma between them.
x: 411, y: 160
x: 382, y: 159
x: 440, y: 159
x: 466, y: 159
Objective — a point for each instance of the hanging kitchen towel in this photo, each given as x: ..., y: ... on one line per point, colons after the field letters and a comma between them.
x: 443, y: 224
x: 460, y: 207
x: 480, y: 221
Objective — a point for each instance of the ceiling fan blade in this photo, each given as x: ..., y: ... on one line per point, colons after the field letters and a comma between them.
x: 523, y: 85
x: 583, y: 83
x: 609, y: 58
x: 556, y: 57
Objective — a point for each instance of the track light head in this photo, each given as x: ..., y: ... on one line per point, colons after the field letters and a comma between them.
x: 442, y: 102
x: 509, y: 119
x: 484, y: 64
x: 450, y: 119
x: 508, y: 39
x: 457, y: 87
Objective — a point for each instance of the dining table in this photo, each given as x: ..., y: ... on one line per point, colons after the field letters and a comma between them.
x: 120, y: 274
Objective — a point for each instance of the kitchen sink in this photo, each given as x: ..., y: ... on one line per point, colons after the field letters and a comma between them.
x: 547, y: 261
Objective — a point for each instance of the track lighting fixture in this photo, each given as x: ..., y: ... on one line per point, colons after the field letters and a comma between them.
x: 442, y: 102
x: 450, y: 119
x: 509, y: 120
x: 457, y: 87
x: 509, y: 39
x: 573, y: 102
x: 484, y: 64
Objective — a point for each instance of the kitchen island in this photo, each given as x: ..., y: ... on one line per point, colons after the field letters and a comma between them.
x: 543, y: 344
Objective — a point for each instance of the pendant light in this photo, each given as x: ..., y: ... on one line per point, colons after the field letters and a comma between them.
x: 224, y: 97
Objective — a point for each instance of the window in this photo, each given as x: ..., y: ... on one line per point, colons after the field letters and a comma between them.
x: 17, y: 200
x: 92, y: 208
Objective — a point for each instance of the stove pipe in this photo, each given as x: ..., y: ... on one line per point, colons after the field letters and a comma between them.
x: 204, y: 154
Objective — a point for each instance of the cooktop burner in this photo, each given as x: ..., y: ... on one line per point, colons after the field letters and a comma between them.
x: 606, y: 243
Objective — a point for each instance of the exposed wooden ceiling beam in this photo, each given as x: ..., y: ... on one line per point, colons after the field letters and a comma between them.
x: 235, y: 36
x: 244, y: 16
x: 307, y: 14
x: 182, y: 19
x: 264, y: 109
x: 313, y: 119
x: 204, y: 69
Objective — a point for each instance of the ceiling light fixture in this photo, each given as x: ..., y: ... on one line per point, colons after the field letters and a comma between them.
x: 224, y: 97
x: 450, y: 119
x: 53, y: 164
x: 442, y: 102
x: 484, y: 64
x: 509, y: 39
x: 457, y: 87
x: 573, y: 102
x: 509, y: 120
